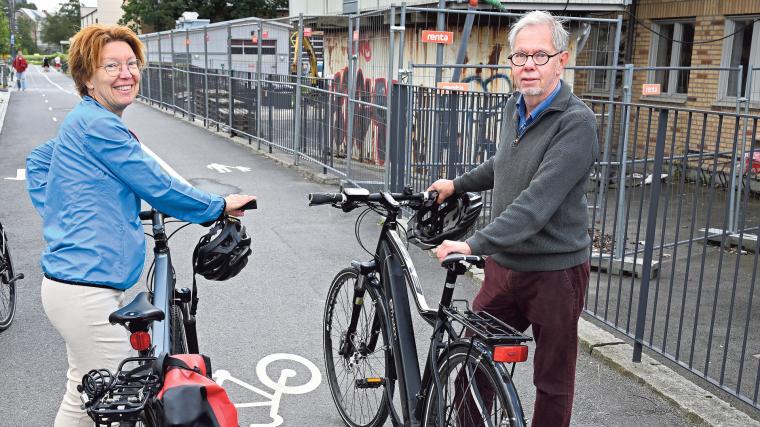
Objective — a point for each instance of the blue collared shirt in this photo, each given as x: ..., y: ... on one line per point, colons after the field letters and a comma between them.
x: 524, y: 122
x: 87, y: 184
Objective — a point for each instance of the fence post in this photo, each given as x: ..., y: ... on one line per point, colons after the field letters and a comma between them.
x: 205, y: 75
x: 297, y: 118
x: 350, y: 101
x: 258, y: 84
x: 160, y: 74
x: 604, y: 179
x: 174, y: 72
x: 398, y: 125
x: 439, y: 124
x: 662, y: 126
x: 622, y: 214
x: 229, y: 78
x: 742, y: 161
x: 388, y: 103
x: 188, y: 91
x: 147, y: 71
x: 451, y: 103
x: 733, y: 200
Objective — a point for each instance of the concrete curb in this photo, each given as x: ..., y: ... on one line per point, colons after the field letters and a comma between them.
x: 5, y: 99
x: 697, y: 404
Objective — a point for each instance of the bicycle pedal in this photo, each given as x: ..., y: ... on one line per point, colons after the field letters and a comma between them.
x: 373, y: 382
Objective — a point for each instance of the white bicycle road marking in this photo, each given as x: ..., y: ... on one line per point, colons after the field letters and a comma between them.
x: 20, y: 175
x: 279, y: 387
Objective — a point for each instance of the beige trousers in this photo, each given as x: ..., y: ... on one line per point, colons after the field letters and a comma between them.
x: 80, y: 314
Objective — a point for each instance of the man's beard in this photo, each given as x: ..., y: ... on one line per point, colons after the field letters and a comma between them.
x: 533, y: 91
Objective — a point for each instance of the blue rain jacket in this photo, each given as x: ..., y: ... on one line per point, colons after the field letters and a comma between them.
x: 87, y: 183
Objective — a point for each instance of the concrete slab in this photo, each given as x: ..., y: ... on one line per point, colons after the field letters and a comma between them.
x: 628, y: 265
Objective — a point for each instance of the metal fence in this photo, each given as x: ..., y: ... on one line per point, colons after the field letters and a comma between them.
x: 673, y: 201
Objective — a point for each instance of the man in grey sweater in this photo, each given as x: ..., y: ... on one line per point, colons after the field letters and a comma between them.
x: 538, y: 243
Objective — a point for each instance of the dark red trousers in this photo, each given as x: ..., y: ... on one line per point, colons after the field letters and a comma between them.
x: 550, y: 302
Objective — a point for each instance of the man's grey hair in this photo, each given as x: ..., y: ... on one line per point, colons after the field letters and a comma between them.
x: 560, y: 35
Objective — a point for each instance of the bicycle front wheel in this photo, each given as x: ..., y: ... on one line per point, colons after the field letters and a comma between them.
x: 7, y: 287
x: 356, y: 362
x: 475, y: 391
x: 179, y: 344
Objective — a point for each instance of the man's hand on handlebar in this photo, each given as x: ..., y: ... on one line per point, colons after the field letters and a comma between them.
x: 238, y: 203
x: 444, y: 187
x: 451, y: 246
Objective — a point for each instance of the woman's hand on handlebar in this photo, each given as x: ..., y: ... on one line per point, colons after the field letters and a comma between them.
x: 451, y: 246
x: 444, y: 187
x: 236, y: 204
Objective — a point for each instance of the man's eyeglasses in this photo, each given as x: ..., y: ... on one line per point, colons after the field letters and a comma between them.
x: 114, y: 68
x: 539, y: 58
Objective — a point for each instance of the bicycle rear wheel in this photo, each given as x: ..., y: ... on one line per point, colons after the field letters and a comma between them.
x: 476, y: 391
x: 356, y: 366
x: 179, y: 344
x: 7, y: 288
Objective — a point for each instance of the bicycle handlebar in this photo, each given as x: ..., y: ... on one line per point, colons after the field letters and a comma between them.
x: 361, y: 195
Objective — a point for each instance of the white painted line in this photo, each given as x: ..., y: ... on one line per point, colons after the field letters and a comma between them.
x: 54, y: 119
x: 50, y: 108
x: 20, y: 175
x: 46, y: 101
x: 163, y: 164
x: 54, y: 84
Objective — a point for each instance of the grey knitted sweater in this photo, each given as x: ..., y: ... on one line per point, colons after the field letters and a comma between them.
x: 539, y: 206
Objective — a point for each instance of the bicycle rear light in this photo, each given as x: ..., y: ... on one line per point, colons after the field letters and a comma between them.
x: 140, y: 340
x: 510, y: 353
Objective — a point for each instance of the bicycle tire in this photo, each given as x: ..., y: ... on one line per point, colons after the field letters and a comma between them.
x: 178, y: 342
x: 148, y: 417
x: 7, y: 289
x: 505, y: 408
x: 343, y: 372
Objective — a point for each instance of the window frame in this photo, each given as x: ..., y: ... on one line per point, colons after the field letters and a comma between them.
x: 675, y: 55
x: 595, y: 54
x: 754, y: 59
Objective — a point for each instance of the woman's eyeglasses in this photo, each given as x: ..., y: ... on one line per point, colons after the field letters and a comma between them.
x: 113, y: 69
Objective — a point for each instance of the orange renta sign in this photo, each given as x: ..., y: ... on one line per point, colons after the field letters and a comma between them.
x: 442, y: 37
x: 453, y: 86
x: 650, y: 89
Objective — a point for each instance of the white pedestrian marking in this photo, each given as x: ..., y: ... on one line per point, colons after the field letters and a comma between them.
x: 226, y: 169
x: 279, y: 387
x: 20, y: 175
x: 50, y: 108
x: 46, y: 101
x: 54, y: 119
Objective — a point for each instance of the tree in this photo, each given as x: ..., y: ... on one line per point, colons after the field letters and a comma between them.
x: 5, y: 35
x: 25, y: 35
x: 62, y: 24
x: 154, y: 15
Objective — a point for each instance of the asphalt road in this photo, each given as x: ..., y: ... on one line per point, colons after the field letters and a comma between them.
x: 271, y: 312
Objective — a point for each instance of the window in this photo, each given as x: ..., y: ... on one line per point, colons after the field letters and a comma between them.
x: 600, y: 53
x: 671, y: 47
x: 740, y: 48
x: 248, y: 47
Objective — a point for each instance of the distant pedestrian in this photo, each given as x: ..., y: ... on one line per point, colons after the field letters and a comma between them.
x: 46, y: 64
x: 57, y: 63
x: 20, y: 65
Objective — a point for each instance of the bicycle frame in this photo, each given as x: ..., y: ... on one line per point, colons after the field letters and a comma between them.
x: 163, y: 292
x: 396, y: 273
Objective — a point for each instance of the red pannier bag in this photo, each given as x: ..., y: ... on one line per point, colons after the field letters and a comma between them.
x: 189, y: 397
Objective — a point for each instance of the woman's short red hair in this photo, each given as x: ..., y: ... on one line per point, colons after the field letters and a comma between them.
x: 84, y: 54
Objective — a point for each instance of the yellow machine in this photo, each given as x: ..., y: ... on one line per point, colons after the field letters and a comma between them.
x: 309, y: 50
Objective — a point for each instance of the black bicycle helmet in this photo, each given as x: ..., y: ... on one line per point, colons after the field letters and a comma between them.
x: 451, y: 220
x: 223, y: 252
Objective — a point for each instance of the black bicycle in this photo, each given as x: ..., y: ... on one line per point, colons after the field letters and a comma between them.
x: 369, y: 343
x: 161, y: 320
x: 8, y: 279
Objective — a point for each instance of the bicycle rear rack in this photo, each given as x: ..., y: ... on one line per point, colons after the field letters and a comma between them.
x: 486, y: 327
x: 125, y: 394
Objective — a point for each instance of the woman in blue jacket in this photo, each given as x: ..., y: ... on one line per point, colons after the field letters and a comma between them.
x: 87, y: 184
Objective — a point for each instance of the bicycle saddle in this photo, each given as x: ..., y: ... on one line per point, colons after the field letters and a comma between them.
x: 139, y: 309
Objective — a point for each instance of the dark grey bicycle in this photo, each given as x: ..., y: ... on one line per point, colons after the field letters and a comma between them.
x: 8, y: 279
x: 369, y: 343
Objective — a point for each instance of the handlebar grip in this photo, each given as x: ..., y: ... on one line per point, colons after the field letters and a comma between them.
x: 250, y: 205
x: 325, y: 198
